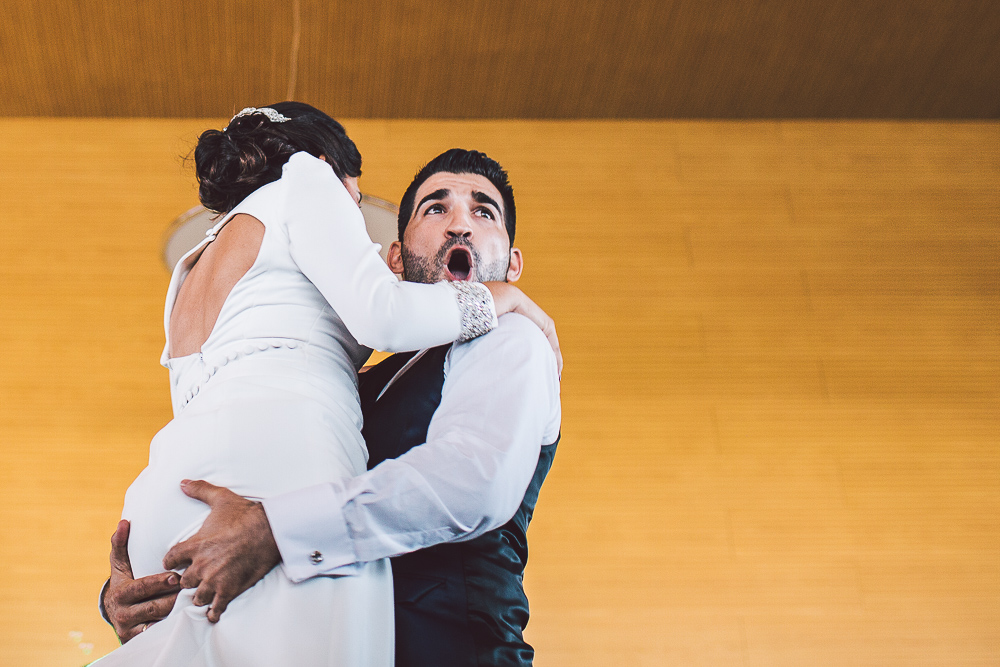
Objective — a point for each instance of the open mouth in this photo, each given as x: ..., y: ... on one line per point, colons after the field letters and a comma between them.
x: 459, y: 264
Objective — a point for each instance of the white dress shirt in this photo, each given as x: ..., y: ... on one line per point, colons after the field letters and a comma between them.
x: 499, y: 405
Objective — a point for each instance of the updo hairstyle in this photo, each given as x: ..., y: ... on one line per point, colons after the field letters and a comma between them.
x: 232, y: 163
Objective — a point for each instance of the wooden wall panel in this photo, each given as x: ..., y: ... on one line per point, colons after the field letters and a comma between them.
x: 780, y: 395
x: 518, y: 59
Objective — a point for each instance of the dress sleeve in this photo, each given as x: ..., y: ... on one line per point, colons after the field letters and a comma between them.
x: 330, y: 244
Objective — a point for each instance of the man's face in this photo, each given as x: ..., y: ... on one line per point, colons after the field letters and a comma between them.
x: 456, y: 232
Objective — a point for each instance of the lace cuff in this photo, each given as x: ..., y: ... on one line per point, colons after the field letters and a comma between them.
x: 479, y: 315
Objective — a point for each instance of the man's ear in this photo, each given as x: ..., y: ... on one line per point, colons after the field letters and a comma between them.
x: 516, y: 265
x: 395, y: 258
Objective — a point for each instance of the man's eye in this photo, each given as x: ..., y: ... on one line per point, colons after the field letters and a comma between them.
x: 434, y: 208
x: 486, y: 213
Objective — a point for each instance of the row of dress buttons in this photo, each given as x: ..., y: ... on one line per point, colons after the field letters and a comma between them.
x: 250, y: 348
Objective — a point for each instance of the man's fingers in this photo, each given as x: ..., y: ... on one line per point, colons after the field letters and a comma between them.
x: 219, y: 604
x: 127, y: 635
x: 554, y: 342
x: 147, y: 612
x: 203, y: 595
x: 134, y: 631
x: 157, y: 610
x: 191, y: 578
x: 179, y: 556
x: 119, y: 550
x: 201, y: 490
x: 149, y: 588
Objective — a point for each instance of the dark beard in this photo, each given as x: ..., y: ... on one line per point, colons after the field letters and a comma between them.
x: 420, y: 269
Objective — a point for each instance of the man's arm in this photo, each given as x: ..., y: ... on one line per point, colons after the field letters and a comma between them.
x: 500, y: 401
x: 499, y: 404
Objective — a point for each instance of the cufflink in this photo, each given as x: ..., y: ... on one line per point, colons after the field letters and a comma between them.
x: 316, y: 558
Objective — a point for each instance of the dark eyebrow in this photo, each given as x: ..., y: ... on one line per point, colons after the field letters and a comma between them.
x: 486, y: 199
x: 437, y: 194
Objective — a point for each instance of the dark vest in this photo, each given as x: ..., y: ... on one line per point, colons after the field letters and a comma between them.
x: 462, y: 603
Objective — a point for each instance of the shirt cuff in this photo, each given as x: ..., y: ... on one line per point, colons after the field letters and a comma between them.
x: 100, y: 602
x: 311, y: 533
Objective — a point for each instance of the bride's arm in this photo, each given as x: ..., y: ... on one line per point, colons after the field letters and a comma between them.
x: 329, y: 242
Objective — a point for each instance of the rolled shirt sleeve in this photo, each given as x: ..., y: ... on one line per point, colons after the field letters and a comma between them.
x: 499, y: 405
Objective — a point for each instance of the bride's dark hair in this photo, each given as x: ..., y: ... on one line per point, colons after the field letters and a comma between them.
x: 232, y: 163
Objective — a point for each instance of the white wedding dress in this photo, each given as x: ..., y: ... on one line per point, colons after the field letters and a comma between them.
x: 270, y: 405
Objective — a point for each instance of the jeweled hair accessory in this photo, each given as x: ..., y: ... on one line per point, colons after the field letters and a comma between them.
x: 271, y: 114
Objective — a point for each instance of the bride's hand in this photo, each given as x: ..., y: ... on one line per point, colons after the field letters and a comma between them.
x: 509, y: 299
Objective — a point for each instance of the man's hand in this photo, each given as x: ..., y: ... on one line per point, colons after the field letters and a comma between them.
x: 134, y: 604
x: 510, y: 299
x: 233, y: 550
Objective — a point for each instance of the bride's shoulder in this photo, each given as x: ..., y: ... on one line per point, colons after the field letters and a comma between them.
x: 265, y: 204
x: 303, y: 163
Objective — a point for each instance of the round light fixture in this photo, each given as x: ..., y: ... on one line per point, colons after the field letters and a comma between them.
x: 189, y: 228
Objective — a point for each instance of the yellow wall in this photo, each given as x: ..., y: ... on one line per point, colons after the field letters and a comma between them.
x: 780, y: 395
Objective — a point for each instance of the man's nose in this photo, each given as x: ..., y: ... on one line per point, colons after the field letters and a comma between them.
x: 460, y: 223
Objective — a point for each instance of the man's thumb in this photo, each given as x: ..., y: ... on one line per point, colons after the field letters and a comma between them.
x: 119, y: 549
x: 199, y: 489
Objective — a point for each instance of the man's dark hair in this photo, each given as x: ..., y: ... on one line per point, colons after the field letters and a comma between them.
x: 460, y: 161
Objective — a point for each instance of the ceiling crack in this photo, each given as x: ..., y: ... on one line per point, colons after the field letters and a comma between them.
x: 293, y: 58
